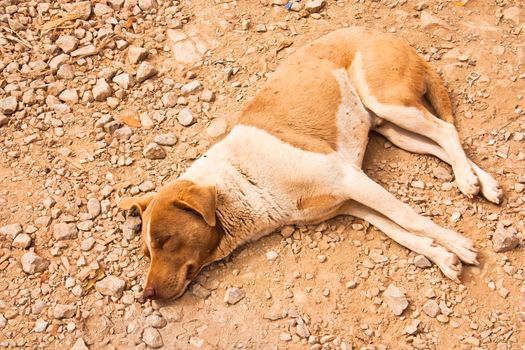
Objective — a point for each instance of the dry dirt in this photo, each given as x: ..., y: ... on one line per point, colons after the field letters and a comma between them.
x: 323, y: 289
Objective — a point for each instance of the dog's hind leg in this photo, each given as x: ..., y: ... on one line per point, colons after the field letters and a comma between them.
x: 416, y: 143
x: 359, y: 187
x: 448, y: 262
x: 400, y: 102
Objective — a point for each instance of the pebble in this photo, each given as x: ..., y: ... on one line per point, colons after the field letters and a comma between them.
x: 504, y: 239
x: 271, y: 255
x: 3, y: 120
x: 169, y: 139
x: 422, y: 262
x: 233, y: 295
x: 93, y: 208
x: 431, y: 308
x: 412, y: 328
x: 11, y: 230
x: 146, y: 5
x: 395, y: 299
x: 83, y: 8
x: 69, y: 96
x: 191, y: 87
x: 152, y: 338
x: 111, y: 286
x: 33, y: 263
x: 145, y: 71
x: 217, y: 127
x: 22, y: 241
x: 123, y: 133
x: 207, y: 96
x: 67, y: 43
x: 8, y: 105
x: 136, y: 54
x: 40, y: 326
x: 185, y: 117
x: 315, y: 6
x: 169, y: 99
x: 442, y: 174
x: 101, y: 90
x: 154, y: 151
x: 124, y: 80
x: 63, y: 231
x: 85, y: 51
x: 61, y: 311
x: 80, y: 345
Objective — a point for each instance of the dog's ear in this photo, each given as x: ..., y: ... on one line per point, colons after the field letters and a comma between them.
x: 139, y: 203
x: 201, y: 199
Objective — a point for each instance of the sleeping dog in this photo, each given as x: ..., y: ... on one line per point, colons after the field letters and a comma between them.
x: 298, y: 161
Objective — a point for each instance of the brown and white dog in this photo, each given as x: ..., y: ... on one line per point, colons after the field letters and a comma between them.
x: 295, y: 158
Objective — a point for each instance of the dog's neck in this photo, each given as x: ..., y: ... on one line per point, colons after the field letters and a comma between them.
x: 245, y: 210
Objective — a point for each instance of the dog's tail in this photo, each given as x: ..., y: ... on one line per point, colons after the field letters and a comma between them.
x: 437, y: 94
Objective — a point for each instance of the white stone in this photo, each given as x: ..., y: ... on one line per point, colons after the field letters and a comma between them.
x: 168, y: 139
x: 504, y: 239
x: 169, y: 99
x: 124, y: 80
x: 217, y: 127
x: 233, y: 295
x: 185, y: 117
x: 88, y: 50
x: 61, y: 311
x: 191, y: 87
x: 154, y: 151
x: 93, y: 207
x: 8, y: 105
x: 33, y: 263
x: 431, y: 308
x: 146, y: 5
x: 271, y: 255
x: 67, y: 43
x: 40, y: 325
x: 152, y: 338
x: 315, y: 6
x: 422, y: 262
x: 22, y: 241
x: 395, y: 299
x: 11, y: 230
x: 207, y: 96
x: 145, y: 71
x: 111, y: 286
x: 136, y: 54
x: 69, y: 96
x: 102, y: 90
x: 83, y: 8
x: 63, y: 231
x: 80, y: 345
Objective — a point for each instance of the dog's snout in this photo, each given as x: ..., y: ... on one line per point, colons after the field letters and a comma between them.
x: 150, y: 293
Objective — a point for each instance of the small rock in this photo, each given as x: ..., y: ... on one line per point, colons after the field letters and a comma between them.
x: 102, y: 90
x: 315, y: 6
x: 321, y: 258
x: 442, y: 174
x: 260, y: 28
x: 11, y: 230
x: 217, y: 127
x: 185, y: 117
x: 431, y: 308
x: 63, y: 231
x: 8, y: 105
x: 3, y: 120
x: 85, y: 51
x: 102, y: 9
x: 146, y: 5
x: 285, y: 336
x: 504, y: 239
x: 233, y: 295
x: 67, y: 43
x: 69, y: 96
x: 124, y: 80
x: 146, y: 186
x: 32, y: 263
x: 190, y: 87
x: 271, y: 255
x: 123, y: 133
x: 111, y: 286
x: 40, y: 325
x: 152, y: 338
x: 145, y: 71
x: 154, y: 151
x: 136, y: 54
x: 428, y: 20
x: 422, y: 262
x: 351, y: 284
x: 207, y: 96
x: 83, y: 8
x: 199, y: 291
x: 169, y: 99
x: 168, y: 139
x: 395, y: 299
x: 93, y: 207
x: 412, y: 327
x: 22, y: 241
x: 156, y: 321
x: 80, y: 345
x: 61, y: 311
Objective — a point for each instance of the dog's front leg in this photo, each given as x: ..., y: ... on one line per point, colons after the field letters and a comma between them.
x: 364, y: 190
x: 447, y: 261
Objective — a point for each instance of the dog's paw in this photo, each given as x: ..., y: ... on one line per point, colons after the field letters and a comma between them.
x: 449, y: 264
x: 468, y: 183
x: 463, y: 247
x: 490, y: 188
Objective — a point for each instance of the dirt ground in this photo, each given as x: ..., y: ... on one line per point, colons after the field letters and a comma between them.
x: 79, y: 110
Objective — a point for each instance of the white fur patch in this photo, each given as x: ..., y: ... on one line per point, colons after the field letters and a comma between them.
x: 353, y: 121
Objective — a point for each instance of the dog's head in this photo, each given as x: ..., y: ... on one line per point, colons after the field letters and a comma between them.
x: 179, y: 233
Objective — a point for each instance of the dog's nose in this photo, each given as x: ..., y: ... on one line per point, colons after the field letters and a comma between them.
x: 150, y: 293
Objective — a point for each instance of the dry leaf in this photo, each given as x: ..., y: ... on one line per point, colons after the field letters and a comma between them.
x: 91, y: 283
x: 130, y: 121
x: 59, y: 21
x: 129, y: 22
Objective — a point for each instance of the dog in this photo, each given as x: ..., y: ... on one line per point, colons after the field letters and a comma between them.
x: 295, y: 157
